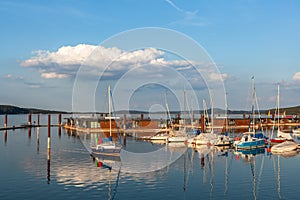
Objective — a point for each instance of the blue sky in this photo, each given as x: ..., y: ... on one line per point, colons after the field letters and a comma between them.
x: 244, y: 38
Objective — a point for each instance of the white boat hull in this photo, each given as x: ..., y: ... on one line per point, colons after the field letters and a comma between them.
x: 284, y: 147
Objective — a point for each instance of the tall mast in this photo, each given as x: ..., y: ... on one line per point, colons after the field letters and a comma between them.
x: 169, y: 115
x: 278, y: 100
x: 109, y: 110
x: 253, y: 99
x: 184, y: 104
x: 226, y: 113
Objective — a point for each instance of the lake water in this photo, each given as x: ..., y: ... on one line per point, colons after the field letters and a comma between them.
x: 29, y: 171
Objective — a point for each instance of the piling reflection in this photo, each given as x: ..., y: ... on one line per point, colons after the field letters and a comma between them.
x: 29, y: 132
x: 38, y: 140
x: 59, y: 132
x: 5, y: 137
x: 48, y: 165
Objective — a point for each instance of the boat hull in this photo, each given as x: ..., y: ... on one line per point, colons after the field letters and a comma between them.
x: 177, y: 139
x: 250, y: 144
x: 284, y: 147
x: 109, y: 150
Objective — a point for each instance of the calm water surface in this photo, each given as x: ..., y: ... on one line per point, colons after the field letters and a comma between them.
x: 202, y: 173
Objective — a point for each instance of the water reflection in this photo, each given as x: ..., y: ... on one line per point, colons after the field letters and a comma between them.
x: 277, y: 169
x: 5, y: 137
x: 48, y: 165
x: 206, y: 171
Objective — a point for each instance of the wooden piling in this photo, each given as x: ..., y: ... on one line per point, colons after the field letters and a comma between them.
x: 124, y: 139
x: 5, y: 121
x: 29, y: 119
x: 49, y: 131
x: 202, y: 124
x: 59, y: 119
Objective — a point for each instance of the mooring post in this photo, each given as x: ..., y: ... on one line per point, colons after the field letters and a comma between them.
x: 59, y: 119
x: 5, y: 121
x: 49, y: 130
x: 202, y: 124
x: 29, y: 119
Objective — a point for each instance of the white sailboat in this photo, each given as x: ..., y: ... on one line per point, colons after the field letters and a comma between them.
x: 104, y: 146
x: 209, y: 137
x: 177, y: 135
x: 249, y: 139
x: 285, y: 146
x: 281, y: 136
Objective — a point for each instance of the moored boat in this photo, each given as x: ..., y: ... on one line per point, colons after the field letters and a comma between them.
x: 249, y: 142
x: 160, y: 136
x: 250, y: 139
x: 106, y: 146
x: 177, y: 136
x: 281, y: 136
x: 285, y: 146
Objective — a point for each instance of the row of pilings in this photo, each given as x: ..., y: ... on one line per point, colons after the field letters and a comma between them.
x: 29, y: 123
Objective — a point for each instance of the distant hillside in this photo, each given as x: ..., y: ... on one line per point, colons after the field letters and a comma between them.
x: 9, y: 109
x: 288, y: 111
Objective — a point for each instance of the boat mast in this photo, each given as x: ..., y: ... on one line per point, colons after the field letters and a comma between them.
x: 226, y: 115
x: 109, y: 110
x: 184, y: 104
x: 169, y: 115
x: 253, y: 99
x: 212, y: 112
x: 278, y: 112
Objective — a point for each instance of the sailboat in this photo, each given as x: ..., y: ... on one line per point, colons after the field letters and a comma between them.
x: 249, y: 139
x: 224, y: 139
x: 281, y: 136
x: 206, y: 137
x: 285, y: 146
x: 176, y: 135
x: 104, y: 146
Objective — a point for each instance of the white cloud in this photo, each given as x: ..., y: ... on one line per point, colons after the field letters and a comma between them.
x: 296, y: 76
x: 52, y: 75
x: 218, y: 77
x: 114, y: 62
x: 65, y: 56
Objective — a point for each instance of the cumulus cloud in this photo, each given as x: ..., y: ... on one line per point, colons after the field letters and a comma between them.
x: 113, y: 63
x: 65, y: 56
x: 296, y: 76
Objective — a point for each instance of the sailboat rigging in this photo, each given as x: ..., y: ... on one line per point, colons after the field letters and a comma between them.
x: 281, y: 136
x: 251, y: 139
x: 104, y: 146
